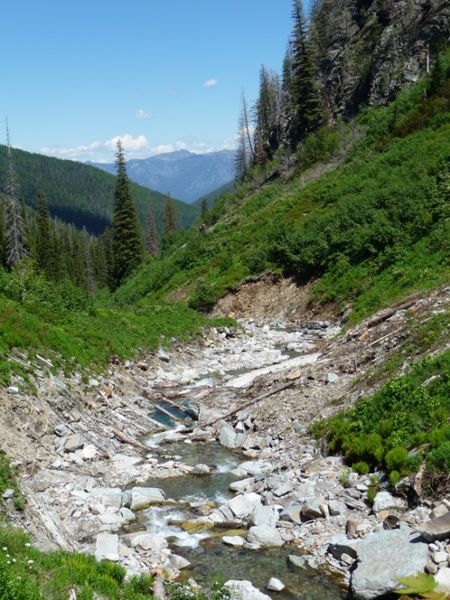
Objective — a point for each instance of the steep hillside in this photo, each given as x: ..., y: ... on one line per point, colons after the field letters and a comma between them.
x: 368, y: 50
x: 82, y: 194
x: 213, y: 196
x: 185, y: 175
x: 373, y: 227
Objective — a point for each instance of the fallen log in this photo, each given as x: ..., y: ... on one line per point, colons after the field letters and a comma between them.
x: 281, y: 388
x: 127, y: 440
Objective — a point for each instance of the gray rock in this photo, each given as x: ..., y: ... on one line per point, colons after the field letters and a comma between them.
x: 61, y: 430
x: 386, y: 501
x: 8, y: 493
x: 107, y: 547
x: 383, y: 557
x: 74, y: 442
x: 438, y: 511
x: 265, y: 515
x: 201, y: 469
x: 305, y: 491
x: 275, y: 585
x: 233, y: 540
x: 142, y: 497
x: 127, y: 514
x: 227, y: 435
x: 297, y: 561
x: 292, y: 513
x: 440, y: 557
x: 244, y: 590
x: 178, y: 562
x: 436, y: 529
x: 149, y: 542
x: 283, y: 489
x: 265, y: 536
x: 243, y: 505
x: 442, y: 579
x: 256, y: 467
x: 244, y: 485
x: 332, y: 378
x: 340, y: 544
x: 108, y: 497
x: 312, y: 509
x: 163, y: 355
x: 336, y: 507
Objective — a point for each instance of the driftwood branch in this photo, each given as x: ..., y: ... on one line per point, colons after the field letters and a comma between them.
x: 127, y: 440
x: 281, y: 388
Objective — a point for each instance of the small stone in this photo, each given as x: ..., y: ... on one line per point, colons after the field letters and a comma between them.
x: 74, y: 442
x: 107, y: 547
x: 440, y: 557
x: 442, y: 579
x: 336, y: 507
x: 61, y: 430
x: 233, y: 540
x: 7, y: 494
x: 431, y: 568
x: 200, y: 470
x: 438, y: 511
x: 347, y: 559
x: 178, y: 562
x: 297, y: 561
x: 332, y: 378
x: 275, y: 585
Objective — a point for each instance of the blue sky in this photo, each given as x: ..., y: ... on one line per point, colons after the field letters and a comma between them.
x: 162, y: 74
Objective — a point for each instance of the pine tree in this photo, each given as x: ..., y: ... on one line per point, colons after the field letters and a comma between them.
x: 170, y: 217
x: 15, y: 230
x: 306, y: 102
x: 267, y: 116
x: 152, y: 242
x: 204, y: 210
x: 87, y: 263
x: 43, y: 236
x: 2, y: 237
x: 245, y: 154
x: 127, y: 241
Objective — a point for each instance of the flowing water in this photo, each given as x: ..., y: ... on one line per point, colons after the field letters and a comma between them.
x: 210, y: 558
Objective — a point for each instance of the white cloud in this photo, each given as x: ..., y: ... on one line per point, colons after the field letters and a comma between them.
x: 130, y: 143
x: 135, y: 147
x: 143, y: 114
x: 209, y: 83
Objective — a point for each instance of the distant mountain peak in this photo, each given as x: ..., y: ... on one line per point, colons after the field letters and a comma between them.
x: 186, y: 175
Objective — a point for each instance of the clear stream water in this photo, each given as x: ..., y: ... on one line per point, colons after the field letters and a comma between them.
x: 210, y: 558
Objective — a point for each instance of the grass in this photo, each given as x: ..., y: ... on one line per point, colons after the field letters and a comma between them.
x: 60, y: 322
x: 29, y: 574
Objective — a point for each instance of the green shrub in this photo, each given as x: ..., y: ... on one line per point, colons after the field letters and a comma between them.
x: 402, y: 422
x: 438, y: 460
x: 361, y: 467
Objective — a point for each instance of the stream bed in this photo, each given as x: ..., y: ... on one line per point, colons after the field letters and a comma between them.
x: 210, y: 558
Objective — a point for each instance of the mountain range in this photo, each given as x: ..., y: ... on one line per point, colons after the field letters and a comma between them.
x: 83, y: 195
x: 185, y: 175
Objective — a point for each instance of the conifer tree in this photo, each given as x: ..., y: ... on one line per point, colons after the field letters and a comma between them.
x: 127, y: 241
x: 306, y: 102
x: 2, y: 237
x: 245, y: 154
x: 152, y: 242
x: 15, y: 230
x: 43, y: 237
x: 204, y: 210
x: 267, y: 116
x: 170, y: 217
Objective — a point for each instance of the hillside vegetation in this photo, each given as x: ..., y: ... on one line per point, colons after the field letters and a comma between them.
x: 368, y: 232
x: 82, y: 194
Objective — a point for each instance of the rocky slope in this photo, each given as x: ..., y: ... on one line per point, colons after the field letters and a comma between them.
x: 370, y: 49
x: 100, y: 474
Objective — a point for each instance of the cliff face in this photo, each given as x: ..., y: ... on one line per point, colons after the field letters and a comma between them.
x: 370, y: 49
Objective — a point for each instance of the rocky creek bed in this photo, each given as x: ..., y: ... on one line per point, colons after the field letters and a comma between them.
x: 244, y: 492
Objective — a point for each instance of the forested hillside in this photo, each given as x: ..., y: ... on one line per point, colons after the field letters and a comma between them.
x: 82, y: 194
